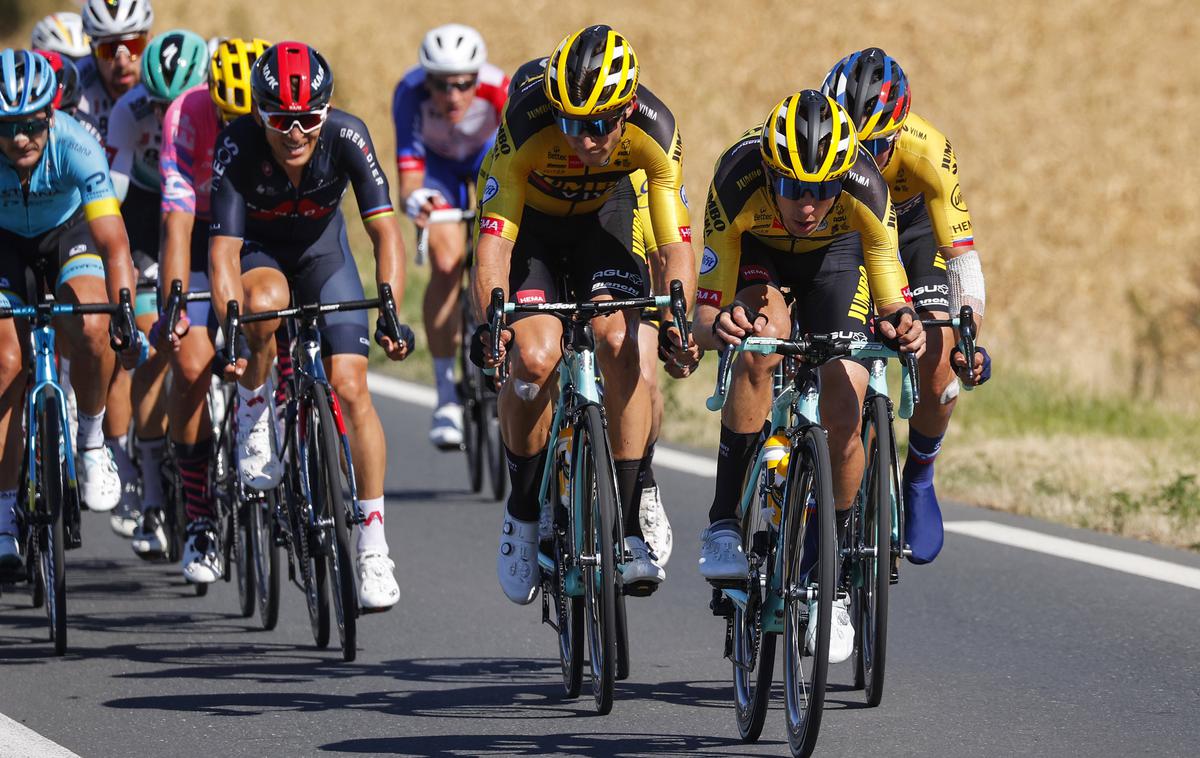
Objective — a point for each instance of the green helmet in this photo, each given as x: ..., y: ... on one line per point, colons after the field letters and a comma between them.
x: 173, y: 62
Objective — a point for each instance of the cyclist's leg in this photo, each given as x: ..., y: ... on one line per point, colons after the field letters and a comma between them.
x: 440, y: 308
x: 150, y: 411
x: 652, y: 515
x: 12, y: 391
x: 926, y: 271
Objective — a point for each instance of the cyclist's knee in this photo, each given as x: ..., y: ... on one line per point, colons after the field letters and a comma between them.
x: 11, y: 366
x: 532, y: 367
x: 350, y: 384
x: 191, y: 366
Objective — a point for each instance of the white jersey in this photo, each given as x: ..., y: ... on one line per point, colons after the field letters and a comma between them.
x: 94, y: 98
x: 134, y: 141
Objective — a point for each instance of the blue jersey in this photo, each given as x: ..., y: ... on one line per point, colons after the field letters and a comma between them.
x: 72, y: 174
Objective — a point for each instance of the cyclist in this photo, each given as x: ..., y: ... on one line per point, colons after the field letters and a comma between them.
x: 445, y: 111
x: 277, y: 187
x: 190, y: 129
x: 61, y: 33
x: 937, y: 247
x: 69, y: 92
x: 59, y: 215
x: 557, y: 204
x: 796, y: 203
x: 172, y: 62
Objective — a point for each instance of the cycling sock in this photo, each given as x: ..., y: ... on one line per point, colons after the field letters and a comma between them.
x: 193, y: 472
x: 283, y: 364
x: 737, y: 448
x: 646, y: 475
x: 90, y: 434
x: 443, y: 376
x: 370, y: 534
x: 250, y: 399
x: 628, y: 490
x: 8, y: 512
x: 922, y: 514
x: 150, y: 457
x: 525, y: 475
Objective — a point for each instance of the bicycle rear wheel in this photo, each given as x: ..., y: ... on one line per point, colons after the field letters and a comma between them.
x: 494, y: 445
x: 570, y: 621
x: 753, y: 649
x: 594, y: 481
x: 469, y: 393
x: 809, y: 584
x: 265, y: 556
x: 52, y: 481
x: 872, y: 540
x: 329, y: 505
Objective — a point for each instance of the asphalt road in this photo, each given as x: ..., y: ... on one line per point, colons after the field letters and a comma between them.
x: 993, y: 650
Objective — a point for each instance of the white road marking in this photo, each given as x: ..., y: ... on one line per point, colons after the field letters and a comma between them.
x: 1027, y: 539
x: 1117, y: 560
x: 19, y: 741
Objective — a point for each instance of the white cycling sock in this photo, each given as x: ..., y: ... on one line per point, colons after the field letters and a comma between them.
x: 443, y: 374
x: 91, y: 431
x: 254, y: 401
x: 371, y: 536
x: 150, y: 458
x: 8, y: 512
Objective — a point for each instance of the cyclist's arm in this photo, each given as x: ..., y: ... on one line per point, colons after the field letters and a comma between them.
x: 410, y: 154
x: 389, y: 253
x: 227, y: 229
x: 175, y: 260
x: 88, y: 170
x: 493, y: 256
x: 717, y: 284
x: 178, y: 205
x: 669, y: 212
x: 109, y: 233
x: 409, y: 181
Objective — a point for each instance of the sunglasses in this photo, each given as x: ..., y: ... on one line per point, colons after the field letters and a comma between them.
x: 30, y: 127
x: 794, y: 189
x: 879, y: 145
x: 285, y: 122
x: 445, y: 86
x: 597, y: 127
x: 134, y: 45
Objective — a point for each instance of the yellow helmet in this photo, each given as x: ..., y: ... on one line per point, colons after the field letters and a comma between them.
x: 808, y: 137
x: 229, y: 75
x: 592, y: 71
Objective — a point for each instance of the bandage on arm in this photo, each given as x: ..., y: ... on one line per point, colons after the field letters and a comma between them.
x: 965, y: 275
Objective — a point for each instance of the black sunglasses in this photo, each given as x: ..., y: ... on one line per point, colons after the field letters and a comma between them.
x: 597, y: 127
x: 445, y: 86
x: 794, y: 189
x: 30, y: 127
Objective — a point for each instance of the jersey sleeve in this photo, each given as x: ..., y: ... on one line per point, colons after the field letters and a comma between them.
x: 665, y: 194
x: 228, y: 205
x: 717, y: 284
x: 943, y: 198
x: 876, y: 225
x: 122, y: 130
x: 366, y: 175
x: 176, y: 174
x: 502, y: 196
x: 644, y: 241
x: 87, y: 169
x: 406, y: 114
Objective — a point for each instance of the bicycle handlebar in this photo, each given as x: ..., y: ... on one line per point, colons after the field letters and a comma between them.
x: 439, y: 216
x: 815, y: 349
x: 964, y: 322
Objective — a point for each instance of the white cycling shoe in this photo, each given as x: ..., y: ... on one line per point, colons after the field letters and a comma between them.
x: 516, y: 560
x: 202, y: 554
x: 641, y: 568
x: 446, y: 430
x: 377, y: 588
x: 841, y: 631
x: 655, y: 525
x: 258, y: 465
x: 124, y: 518
x: 721, y: 556
x: 99, y: 482
x: 150, y: 539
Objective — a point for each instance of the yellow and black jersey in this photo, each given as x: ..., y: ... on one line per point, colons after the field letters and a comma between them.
x: 740, y: 202
x: 532, y: 164
x: 922, y: 173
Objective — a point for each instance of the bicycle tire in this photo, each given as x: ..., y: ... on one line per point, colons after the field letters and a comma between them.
x: 53, y: 484
x: 265, y: 557
x: 329, y: 501
x: 594, y: 475
x: 872, y: 539
x: 753, y: 650
x: 622, y: 623
x: 242, y: 556
x: 468, y: 397
x: 809, y: 477
x: 497, y: 461
x: 570, y: 622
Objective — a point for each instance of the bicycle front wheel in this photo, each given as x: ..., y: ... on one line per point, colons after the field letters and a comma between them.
x: 596, y: 490
x: 809, y: 584
x: 329, y: 505
x: 873, y: 544
x: 53, y: 485
x: 570, y: 621
x: 493, y: 446
x: 753, y: 649
x: 265, y: 554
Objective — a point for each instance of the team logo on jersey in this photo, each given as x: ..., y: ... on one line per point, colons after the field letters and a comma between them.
x: 683, y: 196
x: 708, y: 261
x: 525, y: 297
x: 708, y: 297
x: 493, y: 226
x: 77, y: 250
x: 490, y: 189
x: 956, y: 199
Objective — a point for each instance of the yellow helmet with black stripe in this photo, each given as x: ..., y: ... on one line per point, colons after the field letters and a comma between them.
x: 592, y: 71
x: 229, y: 74
x: 809, y: 137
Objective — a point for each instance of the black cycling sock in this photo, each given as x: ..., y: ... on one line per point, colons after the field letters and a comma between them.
x: 630, y: 493
x: 193, y: 474
x: 737, y: 448
x: 646, y: 475
x: 526, y: 476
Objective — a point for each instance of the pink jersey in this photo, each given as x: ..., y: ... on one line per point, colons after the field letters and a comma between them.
x: 190, y: 131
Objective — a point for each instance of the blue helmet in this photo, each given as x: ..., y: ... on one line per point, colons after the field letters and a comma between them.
x: 27, y: 83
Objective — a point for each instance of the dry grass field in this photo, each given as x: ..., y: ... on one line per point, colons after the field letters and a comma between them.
x: 1086, y: 206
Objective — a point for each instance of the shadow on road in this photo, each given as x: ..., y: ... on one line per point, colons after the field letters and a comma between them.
x: 614, y: 746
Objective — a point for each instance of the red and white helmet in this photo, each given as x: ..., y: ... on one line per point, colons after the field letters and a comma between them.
x: 452, y: 49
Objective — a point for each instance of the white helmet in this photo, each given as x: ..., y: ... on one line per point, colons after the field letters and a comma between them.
x: 61, y: 33
x: 116, y: 18
x: 452, y: 49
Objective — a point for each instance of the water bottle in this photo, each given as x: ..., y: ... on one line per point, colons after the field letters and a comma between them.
x: 775, y: 459
x: 563, y: 454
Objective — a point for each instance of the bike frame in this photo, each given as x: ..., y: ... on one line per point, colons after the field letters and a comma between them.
x: 45, y: 375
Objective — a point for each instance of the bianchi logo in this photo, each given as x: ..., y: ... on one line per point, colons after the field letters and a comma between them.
x: 708, y: 261
x: 490, y: 189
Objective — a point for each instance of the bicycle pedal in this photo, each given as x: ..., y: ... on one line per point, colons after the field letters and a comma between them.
x: 720, y: 605
x: 726, y: 584
x: 374, y: 611
x: 639, y: 589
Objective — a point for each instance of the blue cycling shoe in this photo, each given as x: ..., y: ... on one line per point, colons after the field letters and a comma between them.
x: 922, y: 520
